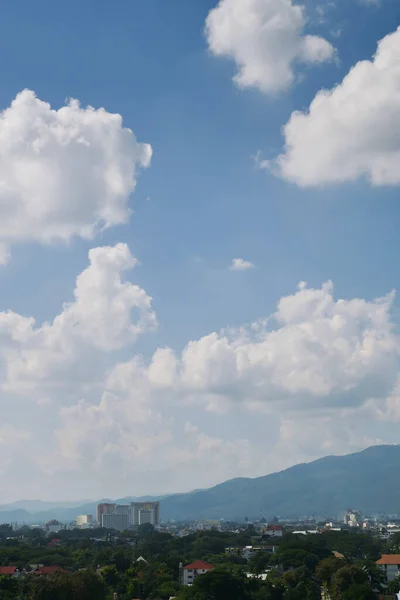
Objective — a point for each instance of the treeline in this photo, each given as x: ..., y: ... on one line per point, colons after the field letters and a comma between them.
x: 300, y: 569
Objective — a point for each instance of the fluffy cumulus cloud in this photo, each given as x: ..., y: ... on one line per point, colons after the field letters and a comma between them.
x: 316, y: 361
x: 266, y: 40
x: 351, y: 131
x: 314, y: 352
x: 240, y: 264
x: 131, y: 435
x: 63, y: 173
x: 105, y: 315
x: 258, y: 397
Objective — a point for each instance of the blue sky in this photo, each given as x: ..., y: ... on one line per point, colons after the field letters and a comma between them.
x: 201, y: 203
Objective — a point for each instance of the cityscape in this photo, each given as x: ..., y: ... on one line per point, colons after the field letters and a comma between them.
x: 308, y: 556
x: 199, y: 300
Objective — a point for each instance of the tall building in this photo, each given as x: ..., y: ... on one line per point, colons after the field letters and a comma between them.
x: 145, y: 512
x: 122, y: 509
x: 115, y: 516
x: 146, y: 516
x: 104, y: 509
x: 118, y: 521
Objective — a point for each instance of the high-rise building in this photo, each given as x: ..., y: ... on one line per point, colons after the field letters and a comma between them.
x: 122, y: 509
x: 118, y: 521
x: 114, y: 516
x: 146, y: 516
x: 104, y: 509
x: 145, y: 512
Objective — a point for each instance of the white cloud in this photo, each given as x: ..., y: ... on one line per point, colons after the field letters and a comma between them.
x: 313, y: 352
x: 63, y: 173
x: 10, y: 435
x: 105, y: 315
x: 318, y: 436
x: 239, y: 264
x: 266, y: 40
x: 129, y: 436
x: 351, y: 131
x: 314, y: 358
x: 317, y: 364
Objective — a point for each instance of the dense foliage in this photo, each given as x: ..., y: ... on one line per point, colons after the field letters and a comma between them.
x: 145, y: 565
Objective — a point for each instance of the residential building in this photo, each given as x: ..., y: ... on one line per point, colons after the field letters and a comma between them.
x: 118, y: 521
x: 104, y: 509
x: 194, y: 569
x: 146, y: 516
x: 352, y: 518
x: 390, y: 563
x: 53, y: 526
x: 12, y: 571
x: 83, y: 520
x: 122, y: 509
x: 274, y: 530
x: 145, y: 512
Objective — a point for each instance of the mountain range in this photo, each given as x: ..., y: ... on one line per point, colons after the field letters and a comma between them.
x: 365, y: 480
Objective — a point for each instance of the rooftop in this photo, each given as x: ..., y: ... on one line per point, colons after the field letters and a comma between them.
x: 389, y: 559
x: 8, y: 570
x: 199, y: 564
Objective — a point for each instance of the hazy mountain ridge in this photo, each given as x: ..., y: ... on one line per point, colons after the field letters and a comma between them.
x: 328, y: 486
x: 13, y: 512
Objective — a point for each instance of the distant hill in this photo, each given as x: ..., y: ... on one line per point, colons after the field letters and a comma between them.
x: 64, y: 512
x: 366, y: 480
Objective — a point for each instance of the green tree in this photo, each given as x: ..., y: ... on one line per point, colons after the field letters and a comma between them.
x: 84, y: 585
x: 259, y: 562
x: 327, y: 567
x: 145, y: 530
x: 8, y: 587
x: 344, y: 578
x: 359, y: 592
x: 218, y: 585
x: 394, y: 586
x: 110, y: 575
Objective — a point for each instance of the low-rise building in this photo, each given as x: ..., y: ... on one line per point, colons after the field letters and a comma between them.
x: 11, y: 571
x: 53, y: 526
x: 194, y: 569
x: 274, y: 530
x: 248, y: 552
x: 84, y: 520
x: 390, y: 563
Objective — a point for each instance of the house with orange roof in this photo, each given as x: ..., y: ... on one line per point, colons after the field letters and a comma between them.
x: 12, y: 571
x: 390, y: 563
x: 194, y: 569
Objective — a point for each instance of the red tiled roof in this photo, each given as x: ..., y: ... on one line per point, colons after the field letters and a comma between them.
x: 389, y: 559
x: 48, y: 570
x: 199, y: 564
x: 7, y: 570
x: 274, y: 528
